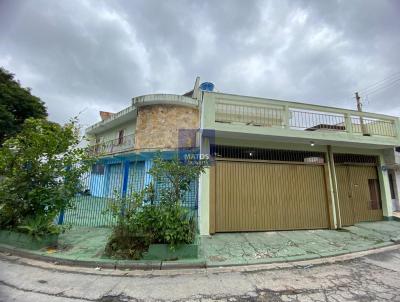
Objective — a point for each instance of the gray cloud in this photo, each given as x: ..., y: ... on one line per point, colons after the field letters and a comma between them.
x: 93, y: 55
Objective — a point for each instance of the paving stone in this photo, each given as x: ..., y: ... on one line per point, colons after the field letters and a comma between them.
x: 297, y: 245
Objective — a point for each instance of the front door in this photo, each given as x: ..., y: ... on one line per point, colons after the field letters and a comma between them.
x: 359, y: 194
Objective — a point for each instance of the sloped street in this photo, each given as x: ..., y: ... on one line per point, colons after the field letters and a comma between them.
x: 372, y: 277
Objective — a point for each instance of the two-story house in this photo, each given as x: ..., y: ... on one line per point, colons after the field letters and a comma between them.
x: 392, y: 159
x: 276, y: 165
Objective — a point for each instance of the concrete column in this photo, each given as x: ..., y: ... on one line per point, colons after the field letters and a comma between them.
x: 385, y: 189
x: 208, y: 108
x: 204, y: 192
x: 335, y: 194
x: 286, y: 117
x: 204, y: 203
x: 348, y: 124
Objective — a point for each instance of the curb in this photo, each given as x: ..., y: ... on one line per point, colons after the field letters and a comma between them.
x: 195, y: 264
x: 110, y: 264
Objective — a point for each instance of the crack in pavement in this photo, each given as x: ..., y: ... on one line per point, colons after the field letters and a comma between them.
x: 355, y: 279
x: 60, y: 294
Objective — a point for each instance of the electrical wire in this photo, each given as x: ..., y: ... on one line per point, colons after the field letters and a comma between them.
x: 389, y: 85
x: 389, y: 78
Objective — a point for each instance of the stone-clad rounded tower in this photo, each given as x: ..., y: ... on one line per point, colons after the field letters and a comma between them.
x: 165, y: 122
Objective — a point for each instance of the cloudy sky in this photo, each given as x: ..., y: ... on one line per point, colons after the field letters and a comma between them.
x: 86, y: 56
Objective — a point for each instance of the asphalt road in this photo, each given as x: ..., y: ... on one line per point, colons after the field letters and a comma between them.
x: 373, y: 277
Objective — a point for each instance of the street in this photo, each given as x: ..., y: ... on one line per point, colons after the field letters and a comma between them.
x: 372, y: 277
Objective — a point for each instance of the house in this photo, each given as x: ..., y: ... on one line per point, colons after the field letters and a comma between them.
x: 284, y: 165
x: 276, y: 165
x: 392, y: 159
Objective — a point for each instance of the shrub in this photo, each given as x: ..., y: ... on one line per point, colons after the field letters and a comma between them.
x: 139, y: 226
x: 41, y: 168
x: 139, y: 223
x: 40, y: 226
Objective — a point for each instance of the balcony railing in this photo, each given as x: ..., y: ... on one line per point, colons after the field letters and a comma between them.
x: 300, y: 117
x: 118, y: 145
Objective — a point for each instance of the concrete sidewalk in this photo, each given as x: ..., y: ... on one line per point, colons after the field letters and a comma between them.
x: 268, y: 247
x: 85, y: 247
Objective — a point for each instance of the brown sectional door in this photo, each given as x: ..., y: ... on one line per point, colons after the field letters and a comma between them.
x: 259, y: 196
x: 359, y: 196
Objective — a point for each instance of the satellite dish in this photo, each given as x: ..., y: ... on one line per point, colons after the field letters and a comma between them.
x: 207, y: 86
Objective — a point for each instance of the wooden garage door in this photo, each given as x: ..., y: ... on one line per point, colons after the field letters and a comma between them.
x: 359, y: 196
x: 254, y: 196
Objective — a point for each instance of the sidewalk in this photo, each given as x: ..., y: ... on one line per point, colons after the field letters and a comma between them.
x: 268, y: 247
x: 85, y: 247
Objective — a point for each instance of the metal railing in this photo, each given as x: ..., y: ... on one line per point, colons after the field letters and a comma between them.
x: 299, y: 117
x: 368, y: 126
x: 110, y: 180
x: 118, y: 145
x: 316, y: 121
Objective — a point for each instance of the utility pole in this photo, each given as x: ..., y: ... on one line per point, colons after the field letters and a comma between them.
x: 359, y: 108
x: 359, y: 105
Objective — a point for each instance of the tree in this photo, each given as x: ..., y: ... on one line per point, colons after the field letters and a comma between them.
x: 16, y: 105
x: 178, y: 173
x: 40, y: 170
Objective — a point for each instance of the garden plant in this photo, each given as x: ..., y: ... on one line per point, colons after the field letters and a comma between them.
x: 155, y: 215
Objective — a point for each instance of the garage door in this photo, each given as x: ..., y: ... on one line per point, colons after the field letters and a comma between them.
x: 359, y: 195
x: 260, y: 196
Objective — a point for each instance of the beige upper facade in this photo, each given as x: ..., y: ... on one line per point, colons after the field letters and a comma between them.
x: 244, y: 117
x: 165, y: 121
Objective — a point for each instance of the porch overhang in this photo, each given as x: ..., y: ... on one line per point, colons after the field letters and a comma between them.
x: 303, y: 137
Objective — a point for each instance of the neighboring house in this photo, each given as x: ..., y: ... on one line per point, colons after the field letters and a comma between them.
x: 276, y: 165
x: 392, y: 158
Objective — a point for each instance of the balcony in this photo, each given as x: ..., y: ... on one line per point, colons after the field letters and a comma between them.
x: 164, y: 99
x: 231, y: 113
x: 114, y: 146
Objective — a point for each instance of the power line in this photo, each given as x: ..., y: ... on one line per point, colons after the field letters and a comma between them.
x: 378, y: 83
x: 388, y: 85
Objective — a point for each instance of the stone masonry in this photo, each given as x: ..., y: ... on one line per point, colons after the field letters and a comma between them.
x: 161, y: 126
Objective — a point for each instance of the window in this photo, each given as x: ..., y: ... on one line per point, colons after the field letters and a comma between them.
x: 391, y: 185
x: 98, y: 169
x: 374, y: 194
x: 121, y: 137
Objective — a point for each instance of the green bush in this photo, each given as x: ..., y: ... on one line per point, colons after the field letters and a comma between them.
x: 124, y: 244
x: 140, y: 224
x: 137, y: 227
x: 40, y: 226
x: 168, y: 223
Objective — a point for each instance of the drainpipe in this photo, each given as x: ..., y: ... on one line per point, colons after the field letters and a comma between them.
x: 334, y: 187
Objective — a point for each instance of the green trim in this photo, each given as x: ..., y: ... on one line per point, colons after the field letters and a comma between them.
x: 27, y: 241
x: 391, y: 218
x: 166, y: 252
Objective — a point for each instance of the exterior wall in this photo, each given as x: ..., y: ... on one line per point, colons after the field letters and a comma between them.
x: 158, y: 126
x: 285, y: 132
x: 204, y: 190
x: 128, y: 127
x: 396, y: 185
